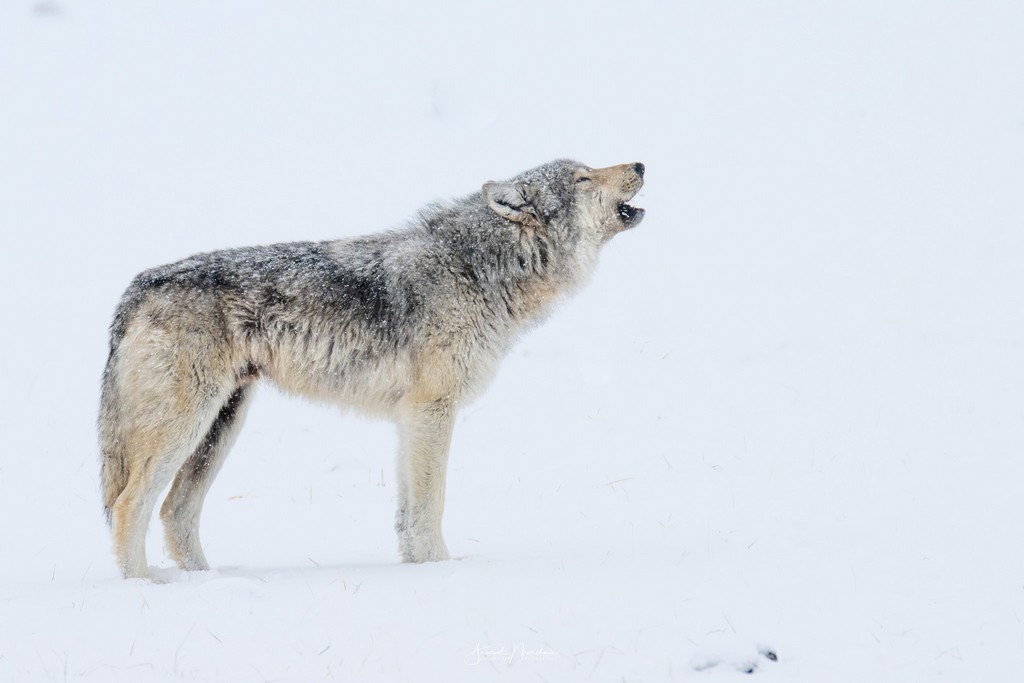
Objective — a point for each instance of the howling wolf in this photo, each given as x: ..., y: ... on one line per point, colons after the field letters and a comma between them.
x: 408, y: 324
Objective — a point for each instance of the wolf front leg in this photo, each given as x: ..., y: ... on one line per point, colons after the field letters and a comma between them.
x: 425, y: 430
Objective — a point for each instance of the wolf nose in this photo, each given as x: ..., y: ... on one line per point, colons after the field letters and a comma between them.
x: 639, y: 168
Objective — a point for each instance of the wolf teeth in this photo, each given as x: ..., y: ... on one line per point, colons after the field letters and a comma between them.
x: 627, y: 211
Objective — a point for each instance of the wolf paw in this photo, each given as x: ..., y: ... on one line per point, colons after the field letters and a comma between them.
x: 430, y: 549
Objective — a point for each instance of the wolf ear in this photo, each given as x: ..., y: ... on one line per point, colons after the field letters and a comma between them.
x: 511, y: 201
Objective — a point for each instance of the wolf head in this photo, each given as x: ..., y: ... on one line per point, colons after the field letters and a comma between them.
x: 590, y: 203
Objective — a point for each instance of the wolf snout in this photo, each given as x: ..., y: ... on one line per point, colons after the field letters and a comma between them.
x: 639, y: 169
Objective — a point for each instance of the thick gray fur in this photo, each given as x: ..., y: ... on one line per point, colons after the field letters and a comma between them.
x: 408, y: 324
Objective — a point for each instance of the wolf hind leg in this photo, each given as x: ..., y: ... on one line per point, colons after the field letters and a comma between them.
x: 425, y: 437
x: 183, y: 506
x: 159, y: 448
x: 167, y: 387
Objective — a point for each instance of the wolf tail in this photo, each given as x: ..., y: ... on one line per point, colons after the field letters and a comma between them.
x: 114, y: 458
x: 113, y: 454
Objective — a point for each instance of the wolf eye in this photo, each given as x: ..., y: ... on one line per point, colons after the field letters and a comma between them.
x: 582, y: 180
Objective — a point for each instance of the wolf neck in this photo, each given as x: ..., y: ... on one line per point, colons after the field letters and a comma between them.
x: 531, y: 270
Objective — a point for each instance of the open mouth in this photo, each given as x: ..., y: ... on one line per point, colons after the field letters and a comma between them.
x: 629, y: 214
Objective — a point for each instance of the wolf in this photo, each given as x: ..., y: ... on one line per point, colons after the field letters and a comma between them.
x: 408, y: 324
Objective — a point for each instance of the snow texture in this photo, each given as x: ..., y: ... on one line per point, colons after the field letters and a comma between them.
x: 780, y: 432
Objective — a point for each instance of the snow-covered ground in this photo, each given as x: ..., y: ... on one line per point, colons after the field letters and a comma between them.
x: 786, y: 418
